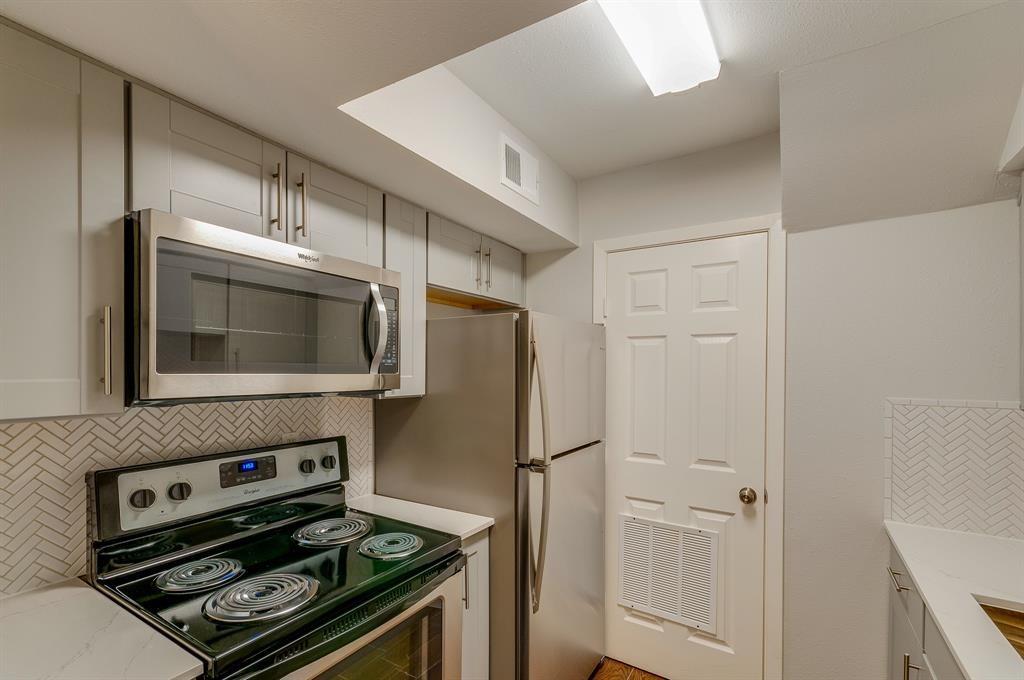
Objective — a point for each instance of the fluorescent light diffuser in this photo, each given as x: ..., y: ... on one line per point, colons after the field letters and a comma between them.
x: 668, y: 40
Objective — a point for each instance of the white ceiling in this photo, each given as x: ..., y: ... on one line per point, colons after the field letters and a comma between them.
x: 912, y: 126
x: 282, y: 68
x: 568, y: 83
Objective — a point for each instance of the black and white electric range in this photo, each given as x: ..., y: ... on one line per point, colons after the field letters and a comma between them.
x: 252, y: 561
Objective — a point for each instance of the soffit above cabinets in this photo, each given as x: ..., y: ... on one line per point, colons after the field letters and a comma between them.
x: 281, y: 69
x: 569, y: 85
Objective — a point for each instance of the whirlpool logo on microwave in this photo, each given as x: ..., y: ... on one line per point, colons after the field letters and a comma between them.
x: 308, y: 258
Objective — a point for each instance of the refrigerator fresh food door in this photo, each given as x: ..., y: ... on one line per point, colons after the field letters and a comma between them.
x: 566, y: 632
x: 572, y: 357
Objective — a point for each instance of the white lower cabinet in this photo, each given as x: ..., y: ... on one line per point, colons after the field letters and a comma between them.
x: 917, y: 650
x: 405, y: 251
x: 62, y: 192
x: 476, y: 638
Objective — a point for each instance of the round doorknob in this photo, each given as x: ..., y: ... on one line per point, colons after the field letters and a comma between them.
x: 748, y: 495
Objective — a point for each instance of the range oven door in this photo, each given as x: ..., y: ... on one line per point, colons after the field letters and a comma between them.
x: 219, y: 314
x: 423, y: 642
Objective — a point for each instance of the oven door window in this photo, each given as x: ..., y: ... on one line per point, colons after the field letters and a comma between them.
x: 220, y: 312
x: 412, y: 649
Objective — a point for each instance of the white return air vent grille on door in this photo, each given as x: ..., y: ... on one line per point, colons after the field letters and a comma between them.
x: 519, y: 170
x: 670, y: 571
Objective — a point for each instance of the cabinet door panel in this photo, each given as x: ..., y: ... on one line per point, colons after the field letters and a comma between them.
x: 503, y: 275
x: 475, y: 620
x: 39, y: 242
x: 453, y: 256
x: 194, y: 165
x: 103, y: 203
x: 344, y: 216
x: 405, y: 251
x: 902, y: 641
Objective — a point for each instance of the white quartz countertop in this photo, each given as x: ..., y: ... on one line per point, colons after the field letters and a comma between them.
x: 953, y: 570
x: 71, y: 631
x: 462, y: 524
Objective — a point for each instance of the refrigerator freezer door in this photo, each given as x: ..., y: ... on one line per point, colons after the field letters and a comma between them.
x: 566, y: 634
x: 574, y: 364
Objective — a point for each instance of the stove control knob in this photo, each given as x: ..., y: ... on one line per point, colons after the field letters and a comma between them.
x: 307, y: 466
x: 140, y: 499
x: 179, y: 491
x: 328, y: 462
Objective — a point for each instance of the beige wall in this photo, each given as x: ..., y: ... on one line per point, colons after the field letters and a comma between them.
x: 923, y: 306
x: 738, y: 180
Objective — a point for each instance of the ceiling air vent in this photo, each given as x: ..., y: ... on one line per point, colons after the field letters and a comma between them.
x: 519, y: 170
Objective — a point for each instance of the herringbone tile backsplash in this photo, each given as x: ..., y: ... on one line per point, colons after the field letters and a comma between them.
x: 957, y: 465
x: 43, y: 466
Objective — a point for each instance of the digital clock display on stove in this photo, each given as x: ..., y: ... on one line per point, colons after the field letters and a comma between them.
x: 246, y: 471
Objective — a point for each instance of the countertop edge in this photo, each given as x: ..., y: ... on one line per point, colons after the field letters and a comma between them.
x: 927, y: 593
x: 462, y: 524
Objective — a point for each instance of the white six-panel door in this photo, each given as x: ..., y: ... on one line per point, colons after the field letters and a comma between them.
x: 686, y: 334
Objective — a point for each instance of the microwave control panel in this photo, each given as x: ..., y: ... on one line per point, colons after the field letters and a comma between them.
x: 389, y: 363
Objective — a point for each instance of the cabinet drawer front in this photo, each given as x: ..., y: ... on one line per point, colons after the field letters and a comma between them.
x: 910, y: 598
x: 940, y: 658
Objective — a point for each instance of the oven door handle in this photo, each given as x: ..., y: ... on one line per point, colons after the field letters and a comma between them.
x: 382, y: 329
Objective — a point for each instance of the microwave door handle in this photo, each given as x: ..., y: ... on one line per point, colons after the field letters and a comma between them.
x: 382, y: 329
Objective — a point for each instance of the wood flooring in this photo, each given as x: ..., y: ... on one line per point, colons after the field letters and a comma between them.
x: 611, y: 669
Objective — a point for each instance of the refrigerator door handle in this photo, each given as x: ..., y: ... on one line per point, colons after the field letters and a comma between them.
x: 537, y: 562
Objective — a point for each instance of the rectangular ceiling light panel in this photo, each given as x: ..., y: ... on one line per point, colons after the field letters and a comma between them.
x: 668, y: 40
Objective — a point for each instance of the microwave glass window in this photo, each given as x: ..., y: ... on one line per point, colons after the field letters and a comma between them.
x: 226, y: 313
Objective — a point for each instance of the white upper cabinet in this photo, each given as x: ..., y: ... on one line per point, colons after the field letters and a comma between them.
x: 62, y: 192
x: 191, y: 164
x: 503, y: 271
x: 405, y: 251
x: 334, y: 214
x: 464, y: 261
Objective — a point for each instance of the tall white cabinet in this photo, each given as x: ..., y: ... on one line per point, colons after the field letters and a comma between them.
x: 405, y: 251
x: 62, y: 192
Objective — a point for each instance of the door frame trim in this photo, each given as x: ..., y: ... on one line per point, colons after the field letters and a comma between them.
x: 775, y: 390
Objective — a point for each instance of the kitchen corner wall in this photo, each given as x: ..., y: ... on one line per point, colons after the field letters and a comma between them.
x: 43, y: 466
x: 923, y: 306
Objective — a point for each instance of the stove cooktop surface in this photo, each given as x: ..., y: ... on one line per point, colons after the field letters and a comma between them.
x: 295, y: 563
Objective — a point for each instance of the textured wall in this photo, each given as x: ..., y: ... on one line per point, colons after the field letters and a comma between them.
x: 920, y: 305
x: 955, y: 464
x: 43, y: 466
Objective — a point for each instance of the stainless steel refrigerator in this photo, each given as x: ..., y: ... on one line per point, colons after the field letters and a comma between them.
x: 512, y: 427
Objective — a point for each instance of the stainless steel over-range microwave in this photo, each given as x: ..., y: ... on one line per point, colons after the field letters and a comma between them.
x: 216, y: 314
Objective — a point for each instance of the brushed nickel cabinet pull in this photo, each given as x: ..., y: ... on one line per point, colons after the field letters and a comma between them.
x: 488, y: 269
x: 907, y: 666
x: 106, y: 378
x: 279, y: 176
x: 895, y: 576
x: 305, y: 205
x: 479, y: 265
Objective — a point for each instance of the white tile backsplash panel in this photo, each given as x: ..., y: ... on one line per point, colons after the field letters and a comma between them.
x: 955, y: 464
x: 43, y: 466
